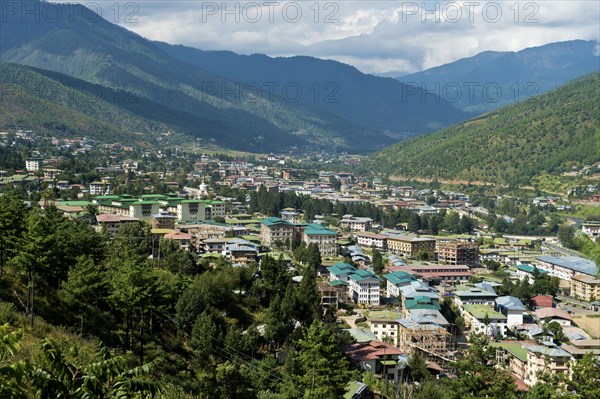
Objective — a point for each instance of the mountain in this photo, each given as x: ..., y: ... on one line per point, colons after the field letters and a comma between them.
x: 549, y: 133
x: 82, y: 45
x: 496, y: 79
x: 380, y: 103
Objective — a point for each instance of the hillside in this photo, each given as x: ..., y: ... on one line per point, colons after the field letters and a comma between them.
x: 546, y: 134
x: 84, y: 46
x: 519, y: 75
x: 59, y: 105
x: 380, y: 103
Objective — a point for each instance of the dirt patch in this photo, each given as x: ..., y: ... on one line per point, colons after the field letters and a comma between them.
x: 590, y: 324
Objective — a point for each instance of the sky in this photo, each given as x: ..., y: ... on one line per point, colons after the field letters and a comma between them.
x: 390, y: 38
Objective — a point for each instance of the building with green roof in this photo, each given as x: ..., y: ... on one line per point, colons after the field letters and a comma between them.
x: 483, y: 319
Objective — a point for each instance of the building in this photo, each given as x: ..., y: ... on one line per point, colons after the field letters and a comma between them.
x: 275, y: 230
x: 291, y: 216
x: 529, y: 272
x: 437, y: 274
x: 458, y: 253
x: 34, y: 164
x: 565, y: 267
x: 144, y: 210
x: 585, y: 287
x: 110, y: 223
x: 478, y: 295
x: 353, y: 223
x: 411, y: 245
x: 363, y: 288
x: 512, y: 308
x: 99, y: 188
x: 396, y: 280
x: 384, y: 324
x: 372, y: 240
x: 545, y: 358
x: 183, y: 239
x: 560, y: 316
x: 163, y: 220
x: 324, y: 238
x: 483, y: 319
x: 424, y: 334
x: 592, y: 229
x: 191, y: 211
x: 240, y: 251
x: 377, y: 357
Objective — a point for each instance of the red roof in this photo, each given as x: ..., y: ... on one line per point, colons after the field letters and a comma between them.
x: 370, y: 350
x: 542, y: 301
x: 552, y: 313
x: 110, y: 218
x: 178, y: 235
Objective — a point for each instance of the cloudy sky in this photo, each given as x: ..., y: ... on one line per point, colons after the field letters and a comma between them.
x: 381, y: 37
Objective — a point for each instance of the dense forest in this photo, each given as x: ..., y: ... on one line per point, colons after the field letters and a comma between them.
x: 550, y: 133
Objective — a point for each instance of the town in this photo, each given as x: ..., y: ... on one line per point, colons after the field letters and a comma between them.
x: 410, y: 270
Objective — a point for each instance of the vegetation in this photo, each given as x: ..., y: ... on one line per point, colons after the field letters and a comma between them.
x: 550, y: 133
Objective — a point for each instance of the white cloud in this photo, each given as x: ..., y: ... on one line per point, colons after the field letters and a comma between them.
x: 375, y: 36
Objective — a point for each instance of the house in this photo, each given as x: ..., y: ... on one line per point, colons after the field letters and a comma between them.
x: 99, y: 188
x: 553, y: 314
x: 542, y: 301
x: 340, y: 271
x: 458, y: 253
x: 324, y: 238
x: 240, y: 251
x: 512, y: 308
x: 377, y: 357
x: 529, y: 272
x: 384, y: 325
x: 436, y: 274
x: 565, y: 267
x: 183, y: 239
x: 353, y: 223
x: 291, y: 216
x: 592, y: 229
x: 411, y: 245
x: 585, y: 287
x: 484, y: 319
x: 163, y: 220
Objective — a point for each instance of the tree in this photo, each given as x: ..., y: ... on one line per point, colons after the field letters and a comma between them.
x: 85, y: 288
x: 417, y: 368
x: 175, y: 259
x: 414, y: 223
x: 208, y: 334
x: 586, y: 377
x: 322, y: 370
x: 308, y: 299
x: 13, y: 215
x: 377, y: 262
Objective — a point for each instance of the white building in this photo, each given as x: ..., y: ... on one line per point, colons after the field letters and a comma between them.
x: 34, y: 164
x: 592, y: 229
x: 144, y: 210
x: 356, y: 223
x: 565, y: 267
x: 483, y: 319
x: 363, y: 287
x: 99, y: 188
x: 372, y: 240
x: 512, y: 308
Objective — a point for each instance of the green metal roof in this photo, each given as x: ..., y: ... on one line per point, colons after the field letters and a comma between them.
x: 479, y: 312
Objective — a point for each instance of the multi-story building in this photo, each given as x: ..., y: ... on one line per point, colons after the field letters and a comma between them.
x: 458, y: 253
x: 545, y: 358
x: 163, y: 220
x: 364, y: 287
x: 396, y: 280
x: 384, y: 324
x: 512, y: 308
x: 144, y: 210
x: 191, y: 211
x: 110, y: 223
x: 411, y: 245
x: 356, y: 223
x: 483, y: 319
x: 585, y: 287
x: 565, y: 267
x: 276, y: 231
x: 99, y: 188
x: 372, y: 240
x: 433, y: 273
x: 529, y: 272
x: 324, y: 238
x: 34, y: 164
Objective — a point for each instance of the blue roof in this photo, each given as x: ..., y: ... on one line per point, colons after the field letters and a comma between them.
x: 510, y: 303
x: 575, y: 263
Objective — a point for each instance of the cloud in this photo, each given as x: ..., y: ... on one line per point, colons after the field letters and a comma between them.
x: 382, y: 37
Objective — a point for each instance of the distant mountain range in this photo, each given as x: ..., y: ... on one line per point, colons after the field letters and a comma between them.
x: 550, y: 133
x: 213, y: 103
x: 492, y: 79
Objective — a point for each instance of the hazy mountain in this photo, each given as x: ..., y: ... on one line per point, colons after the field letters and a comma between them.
x: 376, y: 102
x: 496, y: 79
x: 82, y: 45
x: 549, y: 133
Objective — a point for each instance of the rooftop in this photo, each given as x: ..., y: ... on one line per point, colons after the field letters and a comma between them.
x: 574, y: 263
x: 479, y: 312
